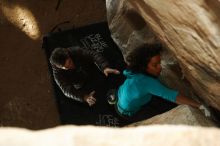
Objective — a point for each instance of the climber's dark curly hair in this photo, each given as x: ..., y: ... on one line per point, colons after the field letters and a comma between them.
x: 138, y: 58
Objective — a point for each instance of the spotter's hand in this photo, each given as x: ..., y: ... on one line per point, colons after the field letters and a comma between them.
x: 90, y: 99
x: 110, y: 71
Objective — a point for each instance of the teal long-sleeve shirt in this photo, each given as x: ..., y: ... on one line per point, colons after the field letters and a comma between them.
x: 137, y: 90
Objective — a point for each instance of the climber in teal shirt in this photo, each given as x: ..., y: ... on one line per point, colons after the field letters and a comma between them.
x: 137, y: 91
x: 142, y: 83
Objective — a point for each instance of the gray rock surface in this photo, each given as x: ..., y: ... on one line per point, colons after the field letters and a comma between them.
x: 181, y: 115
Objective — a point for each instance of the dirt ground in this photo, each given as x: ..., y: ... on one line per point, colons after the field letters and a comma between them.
x: 26, y: 95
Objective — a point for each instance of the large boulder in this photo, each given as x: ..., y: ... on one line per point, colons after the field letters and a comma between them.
x: 188, y: 29
x: 181, y: 115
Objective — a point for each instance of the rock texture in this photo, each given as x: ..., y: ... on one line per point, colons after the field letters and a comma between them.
x: 86, y: 136
x: 181, y: 115
x: 189, y: 30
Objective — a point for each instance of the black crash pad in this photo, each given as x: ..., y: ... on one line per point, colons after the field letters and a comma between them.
x: 96, y: 37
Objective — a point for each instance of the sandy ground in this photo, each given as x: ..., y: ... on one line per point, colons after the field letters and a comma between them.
x: 26, y: 95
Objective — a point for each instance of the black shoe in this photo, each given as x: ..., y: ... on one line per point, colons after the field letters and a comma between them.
x: 111, y: 99
x: 111, y: 96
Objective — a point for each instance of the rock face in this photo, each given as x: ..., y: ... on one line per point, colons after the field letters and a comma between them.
x: 88, y: 135
x: 183, y: 114
x: 189, y: 30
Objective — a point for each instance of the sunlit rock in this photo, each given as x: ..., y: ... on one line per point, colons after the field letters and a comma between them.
x: 89, y: 135
x: 188, y: 29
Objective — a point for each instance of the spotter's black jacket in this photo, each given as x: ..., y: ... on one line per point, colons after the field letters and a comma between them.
x: 76, y: 83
